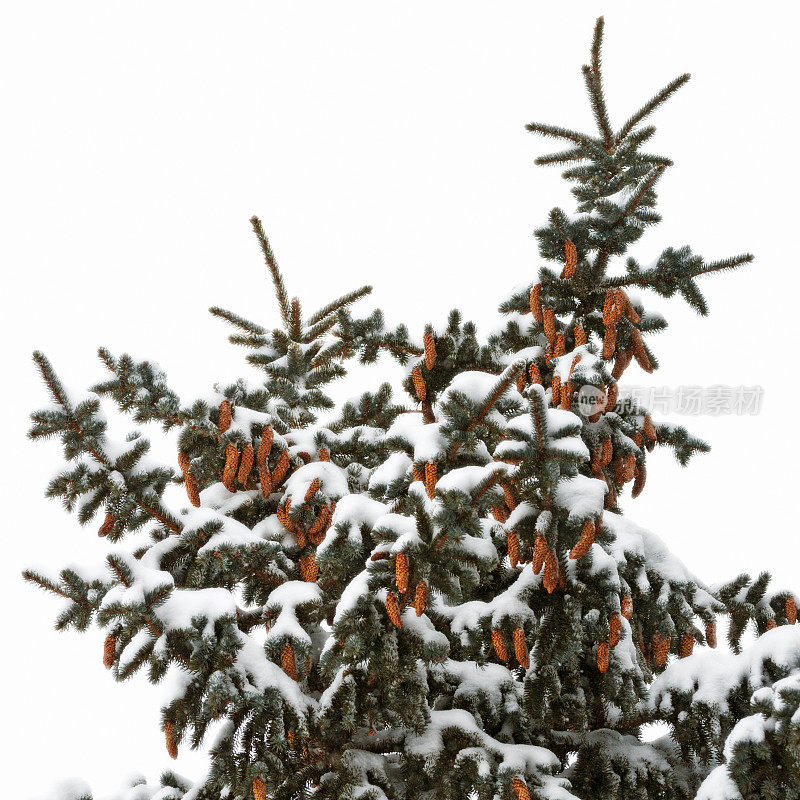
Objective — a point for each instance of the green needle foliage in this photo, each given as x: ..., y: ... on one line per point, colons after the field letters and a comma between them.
x: 437, y: 598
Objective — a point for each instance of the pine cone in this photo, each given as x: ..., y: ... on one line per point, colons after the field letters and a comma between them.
x: 259, y: 789
x: 549, y: 323
x: 421, y: 598
x: 687, y: 644
x: 288, y: 661
x: 570, y: 259
x: 265, y: 445
x: 430, y: 478
x: 109, y: 651
x: 550, y: 578
x: 621, y: 363
x: 566, y: 396
x: 560, y: 347
x: 580, y: 335
x: 791, y: 610
x: 430, y: 349
x: 417, y: 474
x: 641, y: 478
x: 521, y: 382
x: 225, y: 416
x: 555, y: 393
x: 308, y: 568
x: 513, y: 549
x: 172, y: 745
x: 771, y: 624
x: 534, y: 374
x: 265, y: 480
x: 419, y: 384
x: 281, y: 466
x: 401, y: 572
x: 609, y: 342
x: 711, y: 634
x: 302, y: 541
x: 520, y: 648
x: 324, y: 454
x: 614, y: 630
x: 520, y: 789
x: 313, y: 488
x: 661, y: 647
x: 107, y: 526
x: 607, y: 452
x: 393, y: 610
x: 539, y: 553
x: 246, y: 464
x: 649, y: 429
x: 612, y: 396
x: 584, y: 544
x: 499, y: 645
x: 626, y: 607
x: 639, y: 352
x: 602, y: 656
x: 231, y: 467
x: 536, y: 303
x: 500, y: 513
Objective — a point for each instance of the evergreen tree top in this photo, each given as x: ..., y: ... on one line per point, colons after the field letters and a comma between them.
x: 436, y: 598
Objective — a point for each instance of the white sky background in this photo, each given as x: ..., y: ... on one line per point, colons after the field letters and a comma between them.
x: 385, y: 144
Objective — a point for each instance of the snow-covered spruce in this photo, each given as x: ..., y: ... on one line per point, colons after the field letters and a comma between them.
x: 441, y: 600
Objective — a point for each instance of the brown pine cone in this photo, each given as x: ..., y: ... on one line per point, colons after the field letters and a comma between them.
x: 661, y: 647
x: 641, y: 478
x: 430, y: 478
x: 288, y: 661
x: 602, y: 656
x: 401, y: 572
x: 539, y: 553
x: 107, y: 526
x: 265, y: 445
x: 771, y: 624
x: 109, y: 651
x: 536, y: 303
x: 570, y: 259
x: 639, y: 352
x: 555, y: 392
x: 560, y: 347
x: 607, y: 452
x: 649, y: 429
x: 430, y: 349
x: 520, y: 648
x: 711, y: 634
x: 499, y: 645
x: 534, y: 374
x: 549, y: 323
x: 313, y: 488
x: 621, y: 363
x: 393, y: 610
x: 308, y: 568
x: 513, y: 549
x: 611, y: 397
x: 626, y: 607
x: 281, y: 466
x: 550, y: 578
x: 225, y: 416
x: 791, y: 610
x: 246, y: 464
x: 520, y: 789
x: 265, y: 480
x: 580, y: 335
x: 419, y: 384
x: 584, y: 544
x: 421, y: 598
x: 687, y: 644
x: 259, y: 789
x: 566, y: 396
x: 609, y: 342
x: 231, y: 467
x: 614, y: 630
x: 172, y: 745
x: 324, y: 454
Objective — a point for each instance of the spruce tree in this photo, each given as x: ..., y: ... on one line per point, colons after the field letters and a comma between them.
x: 435, y: 599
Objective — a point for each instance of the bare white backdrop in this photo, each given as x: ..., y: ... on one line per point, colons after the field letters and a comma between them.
x: 381, y: 143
